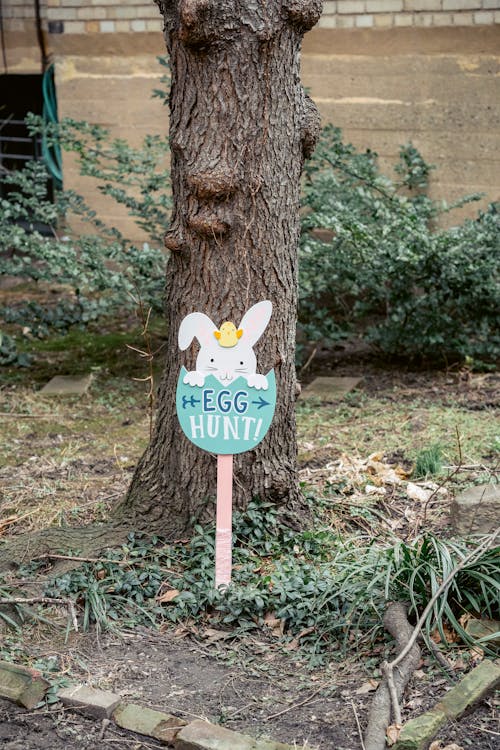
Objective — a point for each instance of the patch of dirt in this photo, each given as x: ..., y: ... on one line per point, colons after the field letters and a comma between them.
x: 249, y: 687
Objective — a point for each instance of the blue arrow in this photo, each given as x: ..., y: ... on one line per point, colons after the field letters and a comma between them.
x: 261, y: 402
x: 190, y: 401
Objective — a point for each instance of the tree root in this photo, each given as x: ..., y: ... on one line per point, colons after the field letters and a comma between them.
x: 85, y: 541
x: 392, y: 687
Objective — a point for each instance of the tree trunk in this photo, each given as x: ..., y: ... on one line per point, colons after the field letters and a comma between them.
x: 240, y: 128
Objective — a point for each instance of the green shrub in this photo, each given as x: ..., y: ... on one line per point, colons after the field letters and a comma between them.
x: 373, y: 261
x: 100, y: 270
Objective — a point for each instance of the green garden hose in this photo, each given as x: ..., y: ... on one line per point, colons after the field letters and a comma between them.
x: 51, y: 152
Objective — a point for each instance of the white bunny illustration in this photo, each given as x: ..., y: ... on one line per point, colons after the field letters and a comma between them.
x: 226, y: 353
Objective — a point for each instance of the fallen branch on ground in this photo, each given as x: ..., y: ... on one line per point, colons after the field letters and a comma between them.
x: 387, y: 698
x: 390, y: 692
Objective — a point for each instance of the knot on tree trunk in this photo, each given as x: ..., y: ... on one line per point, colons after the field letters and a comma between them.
x: 196, y: 23
x: 173, y: 241
x: 209, y: 185
x: 207, y: 224
x: 303, y: 14
x: 310, y: 128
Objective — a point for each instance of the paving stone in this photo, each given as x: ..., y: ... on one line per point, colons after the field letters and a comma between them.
x: 67, y: 385
x: 476, y: 511
x: 417, y: 733
x: 98, y: 703
x: 22, y: 685
x: 201, y: 735
x: 483, y: 629
x: 472, y: 688
x: 329, y: 389
x: 144, y: 720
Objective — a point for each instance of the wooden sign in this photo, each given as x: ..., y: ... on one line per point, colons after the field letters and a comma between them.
x: 225, y: 406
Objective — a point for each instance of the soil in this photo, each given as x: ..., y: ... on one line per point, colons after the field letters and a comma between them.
x: 252, y: 688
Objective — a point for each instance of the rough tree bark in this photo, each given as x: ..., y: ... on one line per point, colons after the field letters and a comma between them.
x: 240, y: 128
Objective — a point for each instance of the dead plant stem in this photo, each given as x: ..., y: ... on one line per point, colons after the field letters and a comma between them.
x: 360, y: 733
x: 295, y: 705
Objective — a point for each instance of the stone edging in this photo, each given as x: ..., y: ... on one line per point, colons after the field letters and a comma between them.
x: 27, y: 688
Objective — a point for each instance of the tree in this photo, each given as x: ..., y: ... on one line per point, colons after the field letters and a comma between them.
x: 240, y: 128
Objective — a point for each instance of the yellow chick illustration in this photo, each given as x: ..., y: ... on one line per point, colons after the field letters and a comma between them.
x: 228, y: 335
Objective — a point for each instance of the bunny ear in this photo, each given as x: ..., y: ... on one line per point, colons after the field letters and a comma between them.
x: 196, y: 325
x: 254, y: 322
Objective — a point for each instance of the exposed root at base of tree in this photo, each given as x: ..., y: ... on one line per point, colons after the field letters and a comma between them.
x: 391, y: 689
x: 87, y: 540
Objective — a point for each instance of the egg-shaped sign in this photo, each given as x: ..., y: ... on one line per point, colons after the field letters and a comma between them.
x: 224, y: 405
x: 225, y: 418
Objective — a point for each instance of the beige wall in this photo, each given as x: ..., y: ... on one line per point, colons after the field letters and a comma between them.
x: 371, y: 67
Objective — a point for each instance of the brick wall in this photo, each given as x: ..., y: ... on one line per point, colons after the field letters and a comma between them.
x: 83, y: 16
x: 345, y: 14
x: 104, y: 16
x: 110, y: 16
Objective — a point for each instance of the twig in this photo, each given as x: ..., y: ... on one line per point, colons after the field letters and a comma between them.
x: 295, y: 705
x: 148, y: 355
x: 388, y: 667
x: 105, y: 724
x: 358, y: 726
x: 448, y: 477
x: 440, y: 658
x: 69, y: 603
x: 309, y: 360
x: 51, y: 556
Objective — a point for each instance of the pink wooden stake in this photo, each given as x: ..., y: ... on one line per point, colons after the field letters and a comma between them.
x: 223, y: 534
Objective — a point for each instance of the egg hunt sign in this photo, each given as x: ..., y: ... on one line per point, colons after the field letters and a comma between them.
x: 225, y: 419
x: 224, y: 405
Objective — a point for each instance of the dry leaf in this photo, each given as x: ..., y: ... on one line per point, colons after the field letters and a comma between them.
x: 168, y: 596
x: 294, y: 644
x: 464, y: 619
x: 371, y: 489
x: 392, y: 733
x: 450, y: 635
x: 438, y: 745
x: 181, y: 632
x: 415, y: 492
x: 276, y: 624
x: 214, y: 635
x: 476, y: 655
x: 402, y: 472
x: 367, y: 687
